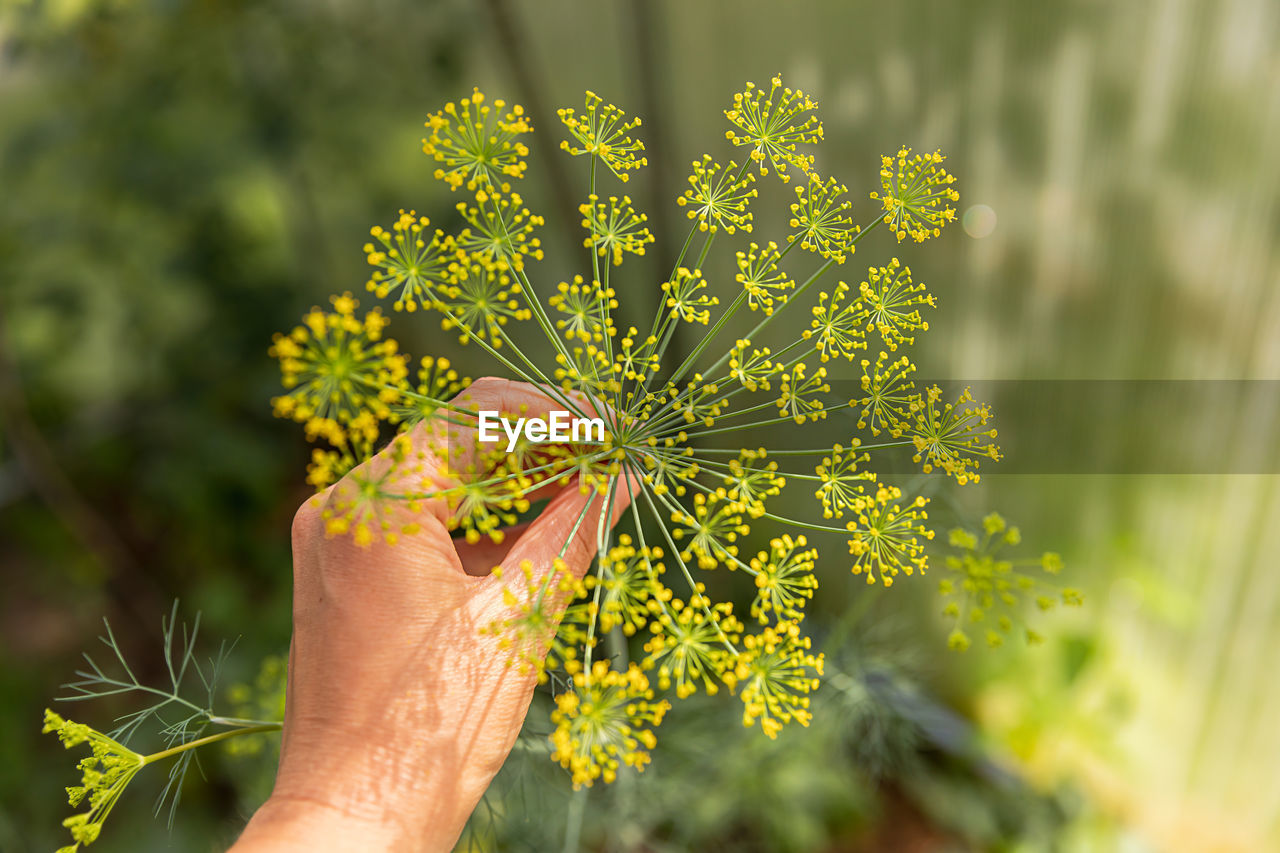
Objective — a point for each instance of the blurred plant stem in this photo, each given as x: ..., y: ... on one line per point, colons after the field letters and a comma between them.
x: 573, y: 826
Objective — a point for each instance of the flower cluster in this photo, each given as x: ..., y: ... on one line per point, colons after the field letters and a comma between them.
x: 673, y: 448
x: 987, y: 590
x: 106, y: 773
x: 916, y: 194
x: 603, y: 722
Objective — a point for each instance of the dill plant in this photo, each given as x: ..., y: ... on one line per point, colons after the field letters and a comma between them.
x: 693, y: 492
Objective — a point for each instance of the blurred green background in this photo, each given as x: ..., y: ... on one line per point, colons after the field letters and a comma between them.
x: 181, y: 178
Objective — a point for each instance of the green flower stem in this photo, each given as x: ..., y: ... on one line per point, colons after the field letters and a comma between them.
x: 601, y: 544
x: 602, y: 305
x: 662, y: 423
x: 723, y: 551
x: 688, y: 576
x: 573, y: 531
x: 825, y: 528
x: 822, y: 270
x: 530, y: 296
x: 545, y: 323
x: 440, y: 404
x: 719, y: 430
x: 662, y: 300
x: 240, y: 722
x: 204, y: 741
x: 549, y: 387
x: 545, y: 585
x: 666, y: 412
x: 725, y: 468
x: 706, y: 341
x: 483, y: 344
x: 635, y: 517
x: 573, y: 827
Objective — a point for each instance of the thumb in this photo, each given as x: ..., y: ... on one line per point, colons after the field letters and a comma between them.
x: 567, y: 530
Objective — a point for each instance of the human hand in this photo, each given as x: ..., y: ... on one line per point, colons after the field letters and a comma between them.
x: 399, y: 710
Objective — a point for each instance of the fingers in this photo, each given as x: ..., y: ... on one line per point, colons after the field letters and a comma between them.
x: 457, y: 444
x: 569, y: 528
x: 449, y: 444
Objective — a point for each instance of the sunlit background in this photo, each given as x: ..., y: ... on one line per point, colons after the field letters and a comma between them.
x: 180, y: 179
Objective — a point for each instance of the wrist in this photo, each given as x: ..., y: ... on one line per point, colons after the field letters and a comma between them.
x: 288, y: 823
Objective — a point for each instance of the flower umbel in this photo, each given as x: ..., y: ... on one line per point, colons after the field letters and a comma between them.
x: 718, y: 196
x: 106, y: 773
x: 916, y: 195
x: 604, y: 722
x: 477, y: 143
x: 676, y: 422
x: 603, y: 131
x: 986, y: 589
x: 773, y: 124
x: 821, y: 219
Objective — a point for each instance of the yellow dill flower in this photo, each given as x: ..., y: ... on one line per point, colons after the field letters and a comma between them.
x: 476, y: 143
x: 614, y: 227
x: 888, y: 537
x: 367, y: 502
x: 604, y: 131
x: 759, y: 275
x: 888, y: 399
x: 697, y: 403
x: 482, y: 508
x: 952, y: 436
x: 438, y: 381
x: 718, y: 197
x: 667, y: 420
x: 105, y: 775
x: 629, y: 585
x: 530, y: 631
x: 784, y: 579
x: 336, y: 366
x: 989, y: 590
x: 841, y: 486
x: 751, y: 481
x: 500, y: 230
x: 635, y: 359
x: 664, y: 472
x: 409, y: 261
x: 688, y: 647
x: 712, y: 529
x: 917, y: 192
x: 687, y: 296
x: 586, y: 369
x: 892, y: 301
x: 822, y: 219
x: 773, y: 124
x: 606, y: 721
x: 353, y: 444
x: 581, y: 304
x: 480, y: 300
x: 751, y: 371
x: 775, y: 673
x: 801, y: 395
x: 837, y: 325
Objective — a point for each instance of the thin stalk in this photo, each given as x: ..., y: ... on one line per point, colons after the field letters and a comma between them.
x: 249, y: 730
x: 801, y: 289
x: 688, y: 576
